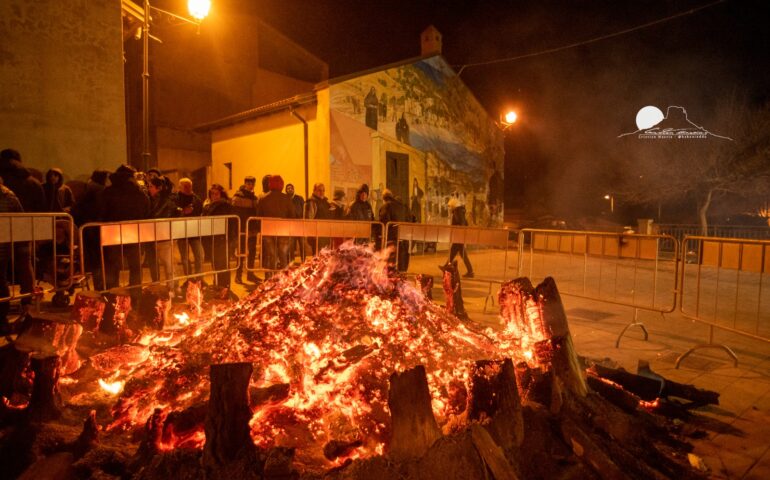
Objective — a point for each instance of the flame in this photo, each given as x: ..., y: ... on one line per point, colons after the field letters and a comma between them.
x: 112, y: 388
x: 183, y: 319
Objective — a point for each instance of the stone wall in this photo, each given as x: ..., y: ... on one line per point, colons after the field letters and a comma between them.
x: 61, y: 84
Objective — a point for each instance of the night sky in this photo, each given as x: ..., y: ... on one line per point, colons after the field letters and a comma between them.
x: 572, y: 104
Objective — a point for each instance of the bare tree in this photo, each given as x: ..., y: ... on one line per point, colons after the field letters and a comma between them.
x: 659, y: 171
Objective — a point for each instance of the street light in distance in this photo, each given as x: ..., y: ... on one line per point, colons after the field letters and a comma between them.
x: 507, y: 119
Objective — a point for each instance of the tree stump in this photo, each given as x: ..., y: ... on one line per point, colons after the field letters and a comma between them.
x: 493, y: 395
x: 14, y: 362
x: 453, y: 292
x: 537, y: 314
x: 45, y: 403
x: 88, y: 437
x: 227, y: 421
x: 425, y: 284
x: 154, y: 306
x: 114, y: 320
x: 88, y: 310
x: 413, y: 426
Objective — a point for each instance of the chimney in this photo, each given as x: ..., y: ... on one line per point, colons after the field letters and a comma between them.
x: 430, y: 41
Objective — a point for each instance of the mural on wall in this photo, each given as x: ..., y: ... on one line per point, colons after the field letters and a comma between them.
x: 427, y: 106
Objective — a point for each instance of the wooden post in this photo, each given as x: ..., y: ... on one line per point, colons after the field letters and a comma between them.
x: 227, y: 421
x: 425, y: 284
x: 154, y: 306
x: 114, y: 321
x: 45, y: 403
x: 88, y: 310
x: 13, y: 362
x: 453, y: 292
x: 493, y: 394
x: 413, y: 425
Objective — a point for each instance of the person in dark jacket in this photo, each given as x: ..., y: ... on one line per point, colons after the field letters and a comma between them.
x: 275, y: 204
x: 394, y: 211
x: 20, y: 181
x: 318, y: 207
x: 217, y: 204
x: 58, y: 196
x: 160, y: 253
x: 360, y: 209
x: 29, y: 193
x: 297, y: 243
x: 123, y: 200
x: 245, y: 206
x: 8, y: 204
x: 458, y: 218
x: 87, y: 211
x: 189, y: 205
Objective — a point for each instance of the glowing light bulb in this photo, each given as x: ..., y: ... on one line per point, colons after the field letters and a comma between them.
x: 511, y: 117
x: 199, y: 9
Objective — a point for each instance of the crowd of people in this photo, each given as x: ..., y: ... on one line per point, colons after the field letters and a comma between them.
x: 127, y: 194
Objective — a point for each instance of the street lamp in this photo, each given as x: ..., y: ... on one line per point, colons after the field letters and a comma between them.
x: 198, y: 9
x: 611, y: 198
x: 508, y: 119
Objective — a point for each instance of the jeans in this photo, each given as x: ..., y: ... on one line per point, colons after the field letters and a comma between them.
x: 185, y: 245
x: 114, y: 262
x: 459, y: 249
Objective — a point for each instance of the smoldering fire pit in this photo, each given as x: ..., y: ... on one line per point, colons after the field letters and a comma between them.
x: 338, y: 368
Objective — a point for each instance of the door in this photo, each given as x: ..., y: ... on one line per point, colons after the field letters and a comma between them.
x: 397, y: 175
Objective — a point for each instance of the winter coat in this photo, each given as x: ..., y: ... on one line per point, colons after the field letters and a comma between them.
x: 394, y: 211
x: 458, y: 216
x: 87, y: 209
x: 28, y: 190
x: 58, y: 197
x: 299, y: 205
x: 276, y: 204
x: 124, y: 198
x: 361, y: 211
x: 244, y: 204
x: 318, y: 208
x: 220, y: 207
x: 8, y: 204
x: 338, y: 209
x: 183, y: 201
x: 162, y: 206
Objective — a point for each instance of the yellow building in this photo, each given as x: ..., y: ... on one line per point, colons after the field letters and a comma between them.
x: 412, y: 127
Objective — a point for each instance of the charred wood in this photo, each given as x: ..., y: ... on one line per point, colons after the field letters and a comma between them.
x: 45, y: 403
x: 493, y: 395
x: 425, y: 285
x: 453, y: 292
x: 115, y: 319
x: 88, y: 310
x: 154, y: 306
x: 227, y: 420
x: 265, y: 395
x: 413, y: 426
x: 492, y: 454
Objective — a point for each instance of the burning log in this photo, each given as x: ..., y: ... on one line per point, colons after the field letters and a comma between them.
x: 114, y: 322
x: 154, y: 306
x: 272, y: 394
x: 194, y: 295
x: 537, y: 315
x: 88, y: 310
x: 227, y: 421
x: 425, y: 285
x: 338, y: 448
x: 14, y: 362
x: 493, y: 395
x: 153, y: 434
x: 453, y: 292
x: 413, y: 425
x: 45, y: 403
x: 587, y: 449
x: 51, y: 334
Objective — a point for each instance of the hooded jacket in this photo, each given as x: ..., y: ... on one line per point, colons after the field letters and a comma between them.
x: 58, y: 197
x: 276, y: 204
x: 87, y: 209
x: 124, y: 198
x: 27, y: 188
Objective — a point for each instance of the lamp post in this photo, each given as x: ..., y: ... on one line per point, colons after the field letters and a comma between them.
x: 611, y: 198
x: 198, y: 9
x: 508, y: 119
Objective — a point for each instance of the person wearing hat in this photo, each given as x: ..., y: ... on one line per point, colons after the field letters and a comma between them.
x: 360, y: 209
x: 338, y: 207
x: 394, y: 211
x: 457, y: 210
x: 245, y: 205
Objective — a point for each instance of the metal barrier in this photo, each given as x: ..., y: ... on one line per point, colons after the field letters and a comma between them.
x: 725, y: 285
x: 35, y: 248
x: 276, y: 238
x: 110, y: 248
x: 637, y: 271
x: 486, y: 252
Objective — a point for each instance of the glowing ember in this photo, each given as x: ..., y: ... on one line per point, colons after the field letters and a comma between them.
x: 111, y: 387
x: 330, y: 333
x: 182, y: 319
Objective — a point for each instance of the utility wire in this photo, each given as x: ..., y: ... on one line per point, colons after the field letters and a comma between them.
x: 592, y: 40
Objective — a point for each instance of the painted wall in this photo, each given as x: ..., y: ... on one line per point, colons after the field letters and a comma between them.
x: 271, y: 144
x: 426, y: 106
x: 61, y: 84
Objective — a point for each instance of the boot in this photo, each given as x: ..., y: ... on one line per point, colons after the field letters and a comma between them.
x: 238, y: 278
x: 250, y: 276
